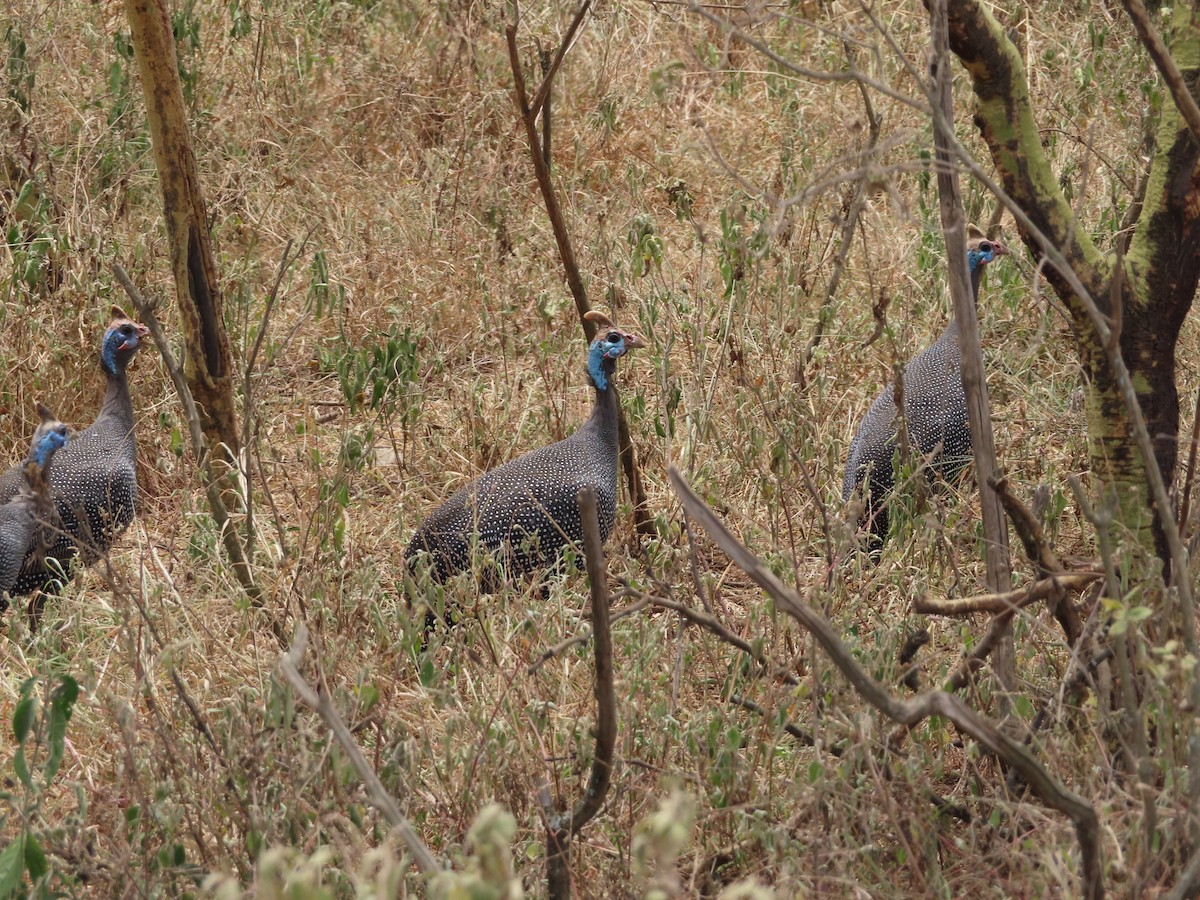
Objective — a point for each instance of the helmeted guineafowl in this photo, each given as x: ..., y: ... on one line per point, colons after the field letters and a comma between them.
x: 524, y: 512
x: 27, y: 520
x: 935, y: 410
x: 94, y: 478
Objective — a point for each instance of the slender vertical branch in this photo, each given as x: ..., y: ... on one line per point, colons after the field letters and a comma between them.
x: 541, y: 168
x: 995, y: 531
x: 560, y: 829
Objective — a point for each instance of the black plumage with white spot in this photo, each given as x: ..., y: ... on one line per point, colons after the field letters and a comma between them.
x: 525, y: 512
x: 94, y: 477
x: 935, y: 409
x: 27, y: 520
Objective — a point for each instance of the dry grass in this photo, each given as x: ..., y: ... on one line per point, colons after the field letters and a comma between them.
x: 387, y: 132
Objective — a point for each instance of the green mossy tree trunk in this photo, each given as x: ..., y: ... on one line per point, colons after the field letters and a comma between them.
x: 1145, y: 296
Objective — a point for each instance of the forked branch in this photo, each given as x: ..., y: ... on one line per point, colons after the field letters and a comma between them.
x: 541, y: 167
x: 911, y: 712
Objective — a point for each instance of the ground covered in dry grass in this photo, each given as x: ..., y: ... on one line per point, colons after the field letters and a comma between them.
x: 425, y: 334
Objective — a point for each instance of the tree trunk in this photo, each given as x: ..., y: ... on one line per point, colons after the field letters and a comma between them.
x: 207, y: 362
x: 1145, y: 296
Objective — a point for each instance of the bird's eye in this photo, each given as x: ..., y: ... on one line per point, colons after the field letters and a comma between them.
x: 985, y: 247
x: 613, y: 337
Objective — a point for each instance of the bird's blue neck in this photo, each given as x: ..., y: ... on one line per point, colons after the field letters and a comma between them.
x: 975, y: 262
x: 108, y: 358
x: 599, y: 372
x: 46, y: 446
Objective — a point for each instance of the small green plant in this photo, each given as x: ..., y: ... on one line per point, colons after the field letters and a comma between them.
x: 33, y: 240
x: 742, y: 246
x: 18, y: 71
x: 646, y: 245
x: 40, y: 730
x: 322, y: 291
x: 608, y: 115
x: 376, y: 377
x: 119, y: 85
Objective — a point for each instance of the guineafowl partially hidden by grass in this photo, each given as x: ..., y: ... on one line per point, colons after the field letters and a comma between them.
x: 935, y: 410
x: 523, y: 513
x: 94, y: 480
x: 27, y: 521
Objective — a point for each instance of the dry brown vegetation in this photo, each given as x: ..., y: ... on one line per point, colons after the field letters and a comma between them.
x: 384, y: 137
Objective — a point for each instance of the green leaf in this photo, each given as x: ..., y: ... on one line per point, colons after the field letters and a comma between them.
x: 12, y: 867
x: 22, y: 768
x: 62, y: 702
x: 23, y: 719
x: 35, y: 858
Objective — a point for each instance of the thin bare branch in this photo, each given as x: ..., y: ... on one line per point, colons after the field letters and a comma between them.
x: 561, y: 829
x: 1165, y: 64
x: 583, y: 637
x: 319, y: 702
x: 850, y: 75
x: 710, y: 624
x: 909, y: 713
x: 983, y: 448
x: 543, y: 90
x: 1008, y: 600
x: 541, y: 167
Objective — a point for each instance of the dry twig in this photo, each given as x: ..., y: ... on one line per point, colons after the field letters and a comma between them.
x: 561, y: 828
x: 541, y: 168
x: 319, y: 702
x: 914, y: 711
x: 1008, y: 600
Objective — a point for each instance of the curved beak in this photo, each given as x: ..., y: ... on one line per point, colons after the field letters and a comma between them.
x: 634, y: 341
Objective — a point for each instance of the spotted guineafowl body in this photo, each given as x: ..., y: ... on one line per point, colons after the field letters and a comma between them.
x: 94, y: 478
x: 525, y: 512
x: 27, y: 521
x: 935, y: 410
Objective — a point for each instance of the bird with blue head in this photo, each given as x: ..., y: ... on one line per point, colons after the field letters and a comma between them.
x: 93, y: 483
x: 521, y: 515
x: 935, y: 411
x: 27, y: 520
